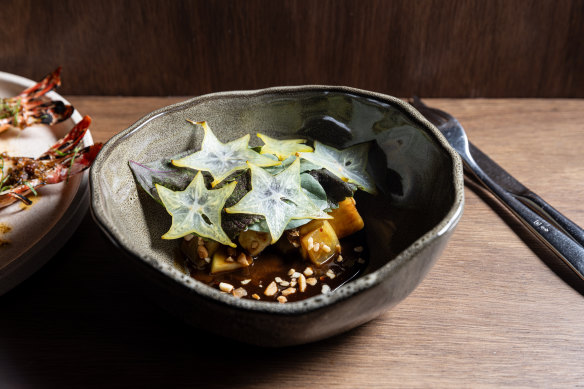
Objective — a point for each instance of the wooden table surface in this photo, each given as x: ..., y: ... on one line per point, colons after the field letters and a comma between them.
x: 497, y: 309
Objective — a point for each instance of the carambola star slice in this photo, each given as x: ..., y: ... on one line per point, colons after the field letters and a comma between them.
x: 348, y: 164
x: 278, y: 198
x: 196, y: 210
x: 222, y: 159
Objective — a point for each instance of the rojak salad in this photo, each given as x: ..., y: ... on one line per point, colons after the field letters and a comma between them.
x: 277, y: 222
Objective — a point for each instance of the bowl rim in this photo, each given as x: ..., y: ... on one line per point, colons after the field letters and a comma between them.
x: 320, y: 301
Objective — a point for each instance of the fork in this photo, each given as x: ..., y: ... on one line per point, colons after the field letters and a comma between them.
x: 560, y: 234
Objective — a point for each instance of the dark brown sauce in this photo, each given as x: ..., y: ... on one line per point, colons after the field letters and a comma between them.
x: 271, y: 264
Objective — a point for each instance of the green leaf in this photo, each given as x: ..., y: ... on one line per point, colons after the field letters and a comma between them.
x: 161, y: 172
x: 222, y: 159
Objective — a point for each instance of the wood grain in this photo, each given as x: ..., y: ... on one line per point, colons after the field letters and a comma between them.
x: 497, y: 310
x: 432, y: 48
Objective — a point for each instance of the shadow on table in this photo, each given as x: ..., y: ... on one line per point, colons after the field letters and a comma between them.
x: 81, y: 321
x: 547, y: 256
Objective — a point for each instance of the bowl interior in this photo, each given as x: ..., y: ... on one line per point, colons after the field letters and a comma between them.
x: 412, y: 166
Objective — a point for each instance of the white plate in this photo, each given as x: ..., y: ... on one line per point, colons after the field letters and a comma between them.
x: 30, y: 236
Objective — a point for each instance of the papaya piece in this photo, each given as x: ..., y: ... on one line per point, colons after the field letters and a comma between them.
x: 346, y: 219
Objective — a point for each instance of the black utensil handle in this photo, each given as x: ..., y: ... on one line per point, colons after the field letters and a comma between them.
x: 562, y: 244
x: 557, y: 217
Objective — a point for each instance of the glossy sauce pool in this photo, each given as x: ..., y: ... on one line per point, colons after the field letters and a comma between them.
x: 285, y: 271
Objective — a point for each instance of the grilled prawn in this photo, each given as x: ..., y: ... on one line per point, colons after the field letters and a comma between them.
x: 32, y: 106
x: 21, y: 176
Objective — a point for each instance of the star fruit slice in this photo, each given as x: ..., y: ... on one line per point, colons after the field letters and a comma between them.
x: 283, y: 148
x: 348, y: 164
x: 278, y: 198
x: 222, y: 159
x: 196, y: 210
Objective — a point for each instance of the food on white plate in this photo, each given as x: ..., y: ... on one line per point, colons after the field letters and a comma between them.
x: 273, y: 223
x: 32, y: 106
x: 21, y: 177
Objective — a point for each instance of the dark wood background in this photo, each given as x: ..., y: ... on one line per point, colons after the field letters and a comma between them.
x: 454, y: 48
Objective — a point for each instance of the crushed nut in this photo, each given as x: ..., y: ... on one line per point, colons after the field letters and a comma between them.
x: 289, y: 291
x: 310, y: 243
x: 302, y: 283
x: 330, y: 274
x: 242, y: 259
x: 358, y: 249
x: 338, y: 247
x: 282, y: 299
x: 284, y: 283
x: 225, y: 287
x: 255, y: 296
x: 361, y: 260
x: 208, y: 260
x: 245, y: 282
x: 308, y: 271
x: 293, y: 283
x: 311, y: 281
x: 240, y: 292
x: 326, y: 248
x: 325, y: 289
x: 278, y: 279
x: 295, y: 275
x: 202, y: 252
x: 316, y: 247
x: 272, y: 289
x: 291, y: 271
x: 340, y: 258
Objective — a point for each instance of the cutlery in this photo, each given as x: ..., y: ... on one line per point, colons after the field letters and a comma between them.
x: 560, y: 234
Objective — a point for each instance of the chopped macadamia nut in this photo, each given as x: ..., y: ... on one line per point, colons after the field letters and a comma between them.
x: 311, y: 281
x: 255, y: 296
x: 225, y: 287
x: 358, y: 249
x: 282, y: 299
x: 272, y: 289
x: 308, y: 271
x: 302, y: 283
x: 202, y: 252
x: 240, y: 292
x: 289, y: 291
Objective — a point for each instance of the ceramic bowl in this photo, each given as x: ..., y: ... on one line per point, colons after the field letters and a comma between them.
x: 419, y: 177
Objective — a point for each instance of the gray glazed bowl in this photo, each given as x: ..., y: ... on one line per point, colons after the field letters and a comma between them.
x: 407, y: 226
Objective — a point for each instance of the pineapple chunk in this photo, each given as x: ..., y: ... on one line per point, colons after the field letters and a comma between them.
x: 222, y: 263
x: 254, y: 242
x: 318, y: 241
x: 346, y: 219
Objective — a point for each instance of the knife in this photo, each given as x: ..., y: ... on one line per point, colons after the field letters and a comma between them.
x: 522, y: 193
